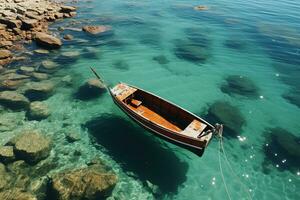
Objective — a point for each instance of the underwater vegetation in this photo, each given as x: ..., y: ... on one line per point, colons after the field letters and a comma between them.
x: 124, y: 143
x: 228, y: 115
x: 282, y: 150
x: 240, y: 85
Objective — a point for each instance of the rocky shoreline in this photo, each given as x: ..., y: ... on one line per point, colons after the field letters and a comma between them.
x: 23, y: 21
x: 29, y: 168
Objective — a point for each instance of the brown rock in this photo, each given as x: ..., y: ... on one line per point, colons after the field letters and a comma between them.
x: 33, y: 15
x: 28, y: 24
x: 11, y: 23
x: 68, y: 37
x: 96, y: 29
x: 4, y: 44
x: 7, y: 154
x: 5, y: 54
x: 67, y: 9
x: 13, y: 100
x: 47, y: 40
x: 38, y: 111
x: 92, y: 182
x: 58, y: 15
x: 16, y: 194
x: 32, y: 147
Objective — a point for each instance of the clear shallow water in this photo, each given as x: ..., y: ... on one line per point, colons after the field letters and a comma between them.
x: 258, y: 40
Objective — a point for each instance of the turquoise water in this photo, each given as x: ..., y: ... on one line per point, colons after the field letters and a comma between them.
x: 259, y: 40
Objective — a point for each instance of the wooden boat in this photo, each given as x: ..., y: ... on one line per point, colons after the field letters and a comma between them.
x: 164, y: 118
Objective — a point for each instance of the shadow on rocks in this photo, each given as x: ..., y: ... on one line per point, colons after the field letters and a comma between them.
x: 138, y: 152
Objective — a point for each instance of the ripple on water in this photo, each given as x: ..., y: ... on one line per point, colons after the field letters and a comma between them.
x: 138, y: 152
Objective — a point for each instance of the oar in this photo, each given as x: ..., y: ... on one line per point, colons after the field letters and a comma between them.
x: 99, y: 78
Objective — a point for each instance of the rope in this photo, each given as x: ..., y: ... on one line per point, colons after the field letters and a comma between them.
x: 232, y: 171
x: 221, y: 170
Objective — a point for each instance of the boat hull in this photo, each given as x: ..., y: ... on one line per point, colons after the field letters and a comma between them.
x: 190, y: 144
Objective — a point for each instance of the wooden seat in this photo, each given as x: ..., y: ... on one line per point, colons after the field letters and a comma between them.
x: 194, y: 129
x: 135, y: 103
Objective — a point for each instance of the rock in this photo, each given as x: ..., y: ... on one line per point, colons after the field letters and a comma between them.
x: 1, y: 69
x: 5, y: 179
x: 32, y: 147
x: 10, y: 121
x: 201, y: 8
x: 26, y: 70
x: 228, y: 115
x: 68, y: 37
x: 16, y: 194
x: 39, y: 76
x: 281, y: 146
x: 13, y: 100
x: 121, y: 64
x: 33, y: 15
x: 47, y: 41
x: 7, y: 154
x: 161, y: 59
x: 191, y: 51
x: 67, y: 80
x: 48, y: 66
x: 93, y: 88
x: 96, y: 29
x: 91, y: 182
x: 69, y: 57
x: 293, y: 97
x: 11, y: 84
x: 10, y: 23
x: 41, y: 51
x: 5, y: 44
x: 5, y: 54
x: 72, y: 136
x: 67, y: 9
x: 38, y: 90
x: 28, y: 24
x: 38, y: 111
x: 58, y: 15
x: 240, y: 85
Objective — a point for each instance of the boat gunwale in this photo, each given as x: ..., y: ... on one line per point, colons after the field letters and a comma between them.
x: 160, y: 134
x: 159, y: 126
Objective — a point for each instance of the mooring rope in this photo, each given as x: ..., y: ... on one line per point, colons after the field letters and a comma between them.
x: 221, y: 170
x: 231, y: 169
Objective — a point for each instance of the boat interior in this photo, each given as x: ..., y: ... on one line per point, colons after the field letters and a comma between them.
x: 163, y: 113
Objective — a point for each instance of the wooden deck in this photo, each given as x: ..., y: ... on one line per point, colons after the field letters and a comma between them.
x: 154, y: 117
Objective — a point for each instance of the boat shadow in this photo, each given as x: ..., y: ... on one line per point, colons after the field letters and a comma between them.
x: 138, y: 152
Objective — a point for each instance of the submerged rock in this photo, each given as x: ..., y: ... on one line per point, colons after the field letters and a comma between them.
x: 47, y: 41
x: 68, y: 37
x: 39, y: 90
x: 72, y: 136
x: 32, y: 147
x: 96, y: 29
x: 7, y: 154
x: 282, y: 150
x: 293, y: 97
x: 121, y: 64
x: 13, y: 100
x: 235, y: 44
x: 39, y: 76
x: 26, y: 70
x: 240, y: 85
x: 41, y: 51
x: 17, y: 194
x: 201, y: 8
x: 38, y: 111
x: 5, y: 54
x: 92, y: 182
x: 48, y: 66
x: 161, y: 59
x: 93, y: 88
x: 228, y: 115
x: 191, y: 51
